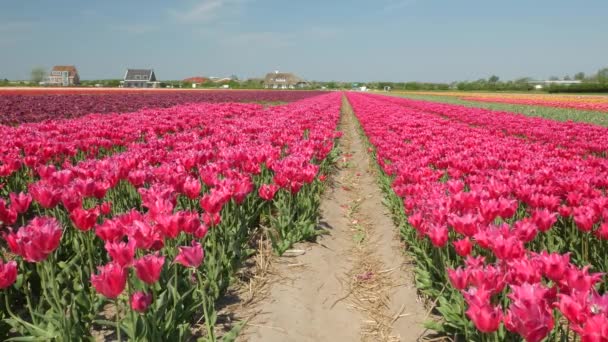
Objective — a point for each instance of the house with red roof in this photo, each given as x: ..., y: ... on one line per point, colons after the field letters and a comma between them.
x: 63, y: 76
x: 196, y: 79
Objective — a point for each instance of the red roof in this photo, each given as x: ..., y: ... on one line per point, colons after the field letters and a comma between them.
x: 197, y: 79
x: 70, y: 68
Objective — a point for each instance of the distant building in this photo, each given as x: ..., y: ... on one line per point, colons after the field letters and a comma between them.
x: 283, y: 80
x: 63, y: 76
x: 220, y: 79
x: 197, y: 80
x: 541, y: 84
x: 140, y: 78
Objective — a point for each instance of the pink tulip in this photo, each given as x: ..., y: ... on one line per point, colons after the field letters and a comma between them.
x: 149, y: 267
x: 190, y: 256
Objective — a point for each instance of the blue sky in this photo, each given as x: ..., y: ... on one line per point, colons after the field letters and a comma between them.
x: 394, y: 40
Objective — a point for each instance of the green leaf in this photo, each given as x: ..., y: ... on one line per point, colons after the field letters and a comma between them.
x: 234, y: 332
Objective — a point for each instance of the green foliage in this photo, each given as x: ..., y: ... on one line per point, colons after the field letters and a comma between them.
x: 37, y: 75
x: 602, y: 76
x: 483, y: 85
x: 579, y: 88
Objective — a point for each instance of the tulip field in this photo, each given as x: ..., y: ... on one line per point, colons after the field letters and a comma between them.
x: 579, y: 102
x: 505, y: 215
x: 125, y: 216
x: 593, y: 103
x: 131, y: 226
x: 24, y: 106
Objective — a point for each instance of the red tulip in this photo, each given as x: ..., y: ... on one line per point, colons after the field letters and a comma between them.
x: 188, y: 221
x: 554, y: 265
x: 581, y: 280
x: 140, y: 301
x: 111, y: 280
x: 509, y: 248
x: 37, y: 240
x: 20, y: 202
x: 169, y: 225
x: 44, y: 194
x: 438, y: 235
x: 458, y: 278
x: 145, y: 236
x: 544, y: 219
x: 465, y: 225
x: 242, y: 188
x: 201, y: 231
x: 8, y: 216
x: 212, y: 219
x: 8, y: 273
x: 525, y: 230
x: 192, y: 188
x: 190, y: 256
x: 121, y: 252
x: 267, y: 191
x: 573, y: 308
x: 463, y: 247
x: 109, y: 230
x: 602, y: 231
x: 71, y: 200
x: 529, y: 314
x: 84, y: 219
x: 584, y: 218
x: 105, y: 208
x: 213, y: 202
x: 486, y: 318
x: 595, y: 329
x: 149, y: 267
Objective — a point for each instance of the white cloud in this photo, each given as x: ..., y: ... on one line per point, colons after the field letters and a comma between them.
x: 204, y: 10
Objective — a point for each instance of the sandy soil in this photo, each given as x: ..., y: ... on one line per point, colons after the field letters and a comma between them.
x: 354, y: 284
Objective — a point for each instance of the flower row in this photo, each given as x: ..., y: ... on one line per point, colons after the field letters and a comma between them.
x: 134, y: 226
x: 20, y: 108
x: 494, y: 215
x: 580, y: 138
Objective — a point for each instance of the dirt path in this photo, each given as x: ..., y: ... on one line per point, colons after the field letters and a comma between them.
x: 353, y: 285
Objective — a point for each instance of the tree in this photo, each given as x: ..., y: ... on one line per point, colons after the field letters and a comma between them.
x: 493, y: 79
x: 523, y: 80
x: 579, y: 76
x: 38, y: 75
x: 602, y: 75
x: 567, y: 78
x: 553, y: 78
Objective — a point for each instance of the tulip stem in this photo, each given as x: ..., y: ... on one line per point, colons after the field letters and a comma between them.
x: 89, y: 248
x: 28, y: 293
x: 116, y: 303
x: 205, y: 311
x: 131, y: 312
x: 17, y: 318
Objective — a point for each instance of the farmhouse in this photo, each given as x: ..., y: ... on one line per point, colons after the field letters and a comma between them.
x: 63, y: 76
x: 195, y: 81
x: 140, y: 78
x: 283, y: 80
